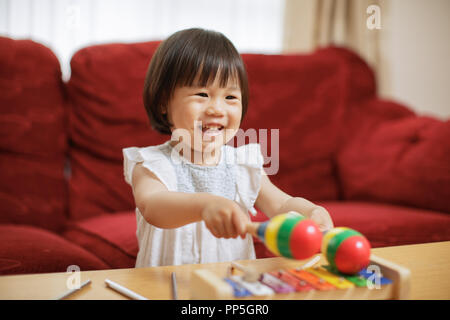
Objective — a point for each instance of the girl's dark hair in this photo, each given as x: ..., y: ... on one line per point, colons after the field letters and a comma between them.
x: 179, y: 60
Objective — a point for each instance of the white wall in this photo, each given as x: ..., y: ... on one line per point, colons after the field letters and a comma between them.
x: 416, y: 50
x: 67, y: 25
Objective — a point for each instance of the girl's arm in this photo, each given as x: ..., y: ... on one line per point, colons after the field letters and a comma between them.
x: 273, y: 201
x: 168, y: 209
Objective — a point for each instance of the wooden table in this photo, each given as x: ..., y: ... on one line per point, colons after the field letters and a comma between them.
x: 429, y: 265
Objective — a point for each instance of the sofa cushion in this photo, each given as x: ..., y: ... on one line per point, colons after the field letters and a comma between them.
x: 391, y: 225
x: 32, y: 136
x: 106, y: 115
x: 396, y: 157
x: 111, y: 237
x: 27, y: 249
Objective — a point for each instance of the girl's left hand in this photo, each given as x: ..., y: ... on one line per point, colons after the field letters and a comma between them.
x: 321, y: 216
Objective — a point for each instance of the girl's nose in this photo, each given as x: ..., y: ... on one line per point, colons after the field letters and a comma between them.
x: 215, y: 110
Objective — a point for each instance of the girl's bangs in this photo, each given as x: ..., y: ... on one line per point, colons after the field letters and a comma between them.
x: 203, y: 72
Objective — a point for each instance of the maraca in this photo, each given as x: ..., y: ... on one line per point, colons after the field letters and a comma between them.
x: 290, y: 235
x: 346, y: 250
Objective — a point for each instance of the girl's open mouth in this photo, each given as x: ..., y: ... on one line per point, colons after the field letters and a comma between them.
x: 212, y: 130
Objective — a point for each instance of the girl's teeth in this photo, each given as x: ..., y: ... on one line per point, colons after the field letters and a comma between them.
x: 211, y: 131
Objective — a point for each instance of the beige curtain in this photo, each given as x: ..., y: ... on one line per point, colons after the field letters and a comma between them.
x: 310, y: 24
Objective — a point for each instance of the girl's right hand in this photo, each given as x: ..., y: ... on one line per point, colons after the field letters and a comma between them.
x: 225, y: 218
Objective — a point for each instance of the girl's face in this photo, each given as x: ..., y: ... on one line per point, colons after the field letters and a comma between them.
x: 209, y: 116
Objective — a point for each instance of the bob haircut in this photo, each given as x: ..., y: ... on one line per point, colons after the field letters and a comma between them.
x: 187, y: 56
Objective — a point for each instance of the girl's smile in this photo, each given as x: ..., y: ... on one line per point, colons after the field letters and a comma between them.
x: 211, y: 129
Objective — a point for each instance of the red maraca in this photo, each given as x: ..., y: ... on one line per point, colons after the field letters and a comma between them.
x: 290, y: 235
x: 346, y: 250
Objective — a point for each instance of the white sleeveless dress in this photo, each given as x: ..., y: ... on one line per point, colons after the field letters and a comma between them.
x: 237, y: 177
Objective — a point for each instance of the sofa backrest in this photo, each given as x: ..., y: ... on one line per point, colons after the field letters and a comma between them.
x: 33, y: 136
x: 331, y: 127
x: 305, y: 97
x: 106, y: 115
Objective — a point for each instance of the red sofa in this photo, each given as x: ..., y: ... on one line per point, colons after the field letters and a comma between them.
x: 374, y: 164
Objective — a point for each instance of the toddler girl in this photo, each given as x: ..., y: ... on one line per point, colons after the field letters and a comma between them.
x: 193, y: 192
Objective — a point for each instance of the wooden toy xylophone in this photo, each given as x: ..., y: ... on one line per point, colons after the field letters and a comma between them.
x: 381, y: 280
x: 352, y: 272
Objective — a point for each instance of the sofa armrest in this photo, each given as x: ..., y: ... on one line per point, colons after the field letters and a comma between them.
x: 392, y: 155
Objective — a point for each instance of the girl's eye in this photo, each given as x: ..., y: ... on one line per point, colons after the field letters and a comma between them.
x: 230, y: 97
x: 202, y: 94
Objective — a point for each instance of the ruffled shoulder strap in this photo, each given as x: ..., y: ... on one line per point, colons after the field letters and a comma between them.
x: 152, y: 158
x: 249, y: 162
